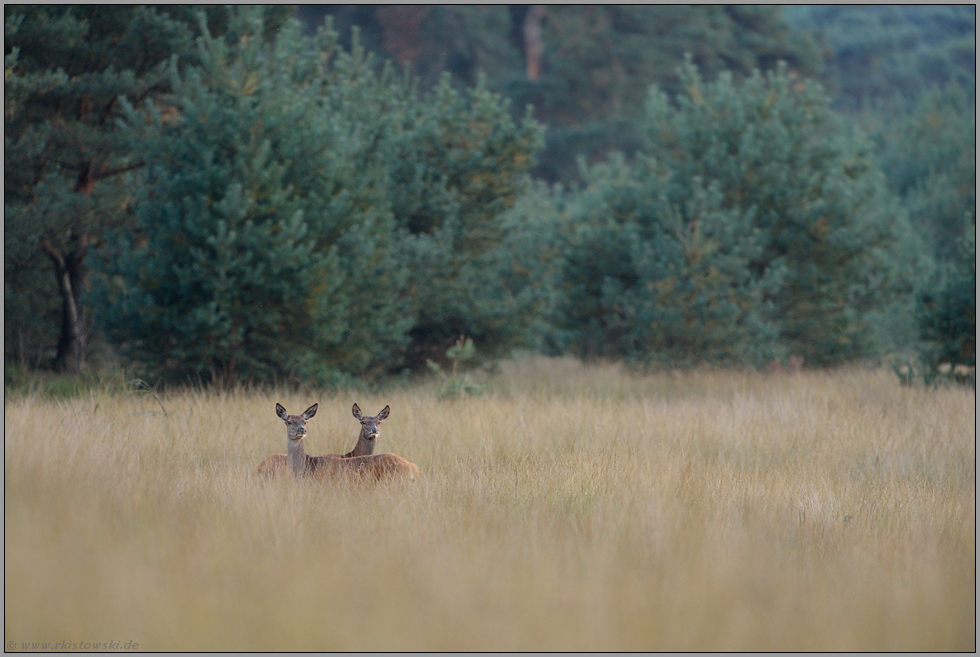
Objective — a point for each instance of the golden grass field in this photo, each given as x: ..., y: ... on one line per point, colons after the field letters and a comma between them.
x: 569, y: 508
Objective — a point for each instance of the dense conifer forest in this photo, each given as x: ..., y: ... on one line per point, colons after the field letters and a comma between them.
x: 328, y: 194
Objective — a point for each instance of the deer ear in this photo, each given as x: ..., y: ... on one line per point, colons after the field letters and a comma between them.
x: 356, y: 412
x: 384, y: 413
x: 310, y: 412
x: 280, y: 411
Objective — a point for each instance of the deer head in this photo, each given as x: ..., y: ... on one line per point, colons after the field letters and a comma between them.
x: 370, y: 425
x: 295, y: 424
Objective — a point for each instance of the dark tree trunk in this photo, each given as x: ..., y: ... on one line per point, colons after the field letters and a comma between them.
x: 70, y: 271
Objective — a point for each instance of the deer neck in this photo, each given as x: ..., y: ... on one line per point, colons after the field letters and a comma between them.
x: 296, y: 455
x: 364, y: 447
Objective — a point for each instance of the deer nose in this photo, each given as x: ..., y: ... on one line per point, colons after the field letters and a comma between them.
x: 301, y: 431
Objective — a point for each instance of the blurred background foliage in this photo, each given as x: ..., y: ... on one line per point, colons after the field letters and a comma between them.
x: 336, y: 193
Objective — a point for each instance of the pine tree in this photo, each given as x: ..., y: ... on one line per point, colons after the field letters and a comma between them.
x: 461, y: 164
x: 66, y: 166
x: 881, y: 55
x: 649, y: 279
x: 947, y: 311
x: 260, y: 249
x: 594, y: 62
x: 309, y: 214
x: 775, y: 148
x: 751, y: 226
x: 929, y: 155
x: 69, y: 173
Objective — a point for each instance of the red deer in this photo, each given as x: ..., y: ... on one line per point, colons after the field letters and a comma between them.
x: 334, y: 465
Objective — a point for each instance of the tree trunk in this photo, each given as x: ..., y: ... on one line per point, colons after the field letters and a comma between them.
x: 533, y: 49
x: 70, y: 271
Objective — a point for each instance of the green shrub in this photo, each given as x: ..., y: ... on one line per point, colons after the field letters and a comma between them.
x: 308, y: 215
x: 751, y: 225
x: 261, y: 250
x: 947, y: 315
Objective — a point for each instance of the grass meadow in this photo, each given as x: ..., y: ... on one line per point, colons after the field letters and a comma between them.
x: 570, y: 508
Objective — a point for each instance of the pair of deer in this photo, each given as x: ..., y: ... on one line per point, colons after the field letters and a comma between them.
x: 359, y: 461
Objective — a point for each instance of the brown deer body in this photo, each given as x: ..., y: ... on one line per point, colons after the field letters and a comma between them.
x: 370, y: 429
x: 355, y: 462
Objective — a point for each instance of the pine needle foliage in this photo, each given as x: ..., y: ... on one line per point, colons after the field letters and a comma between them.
x: 751, y: 226
x: 308, y: 211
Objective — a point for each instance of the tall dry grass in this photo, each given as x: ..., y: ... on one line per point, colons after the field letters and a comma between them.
x: 571, y: 508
